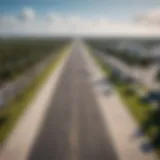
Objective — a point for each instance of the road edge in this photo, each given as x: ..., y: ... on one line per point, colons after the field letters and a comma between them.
x: 121, y: 144
x: 19, y: 142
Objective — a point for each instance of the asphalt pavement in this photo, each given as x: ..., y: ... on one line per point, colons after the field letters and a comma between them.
x: 73, y: 128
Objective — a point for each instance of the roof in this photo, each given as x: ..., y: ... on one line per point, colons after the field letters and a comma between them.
x: 133, y: 47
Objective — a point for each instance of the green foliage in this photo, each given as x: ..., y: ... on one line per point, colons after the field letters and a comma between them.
x: 18, y: 55
x: 143, y: 112
x: 11, y: 113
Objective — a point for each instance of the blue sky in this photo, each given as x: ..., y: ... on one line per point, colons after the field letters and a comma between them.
x: 119, y: 11
x: 116, y: 9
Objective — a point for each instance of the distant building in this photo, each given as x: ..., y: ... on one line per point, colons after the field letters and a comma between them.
x: 155, y: 52
x: 133, y: 48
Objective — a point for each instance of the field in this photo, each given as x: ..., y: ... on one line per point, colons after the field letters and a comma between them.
x: 18, y: 55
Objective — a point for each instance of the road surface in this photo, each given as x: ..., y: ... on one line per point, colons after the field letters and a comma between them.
x: 73, y: 128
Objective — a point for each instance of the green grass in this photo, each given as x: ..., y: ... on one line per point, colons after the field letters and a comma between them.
x: 132, y: 102
x: 13, y: 111
x: 136, y: 107
x: 140, y: 111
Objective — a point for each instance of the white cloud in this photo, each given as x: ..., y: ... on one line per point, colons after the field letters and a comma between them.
x: 7, y: 21
x: 54, y: 23
x: 151, y: 17
x: 27, y: 14
x: 52, y: 17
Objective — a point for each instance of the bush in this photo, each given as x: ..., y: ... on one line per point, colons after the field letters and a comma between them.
x: 18, y: 55
x: 3, y: 118
x: 129, y: 91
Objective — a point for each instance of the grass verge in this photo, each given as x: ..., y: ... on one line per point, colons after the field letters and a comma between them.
x: 142, y: 111
x: 138, y: 109
x: 12, y: 112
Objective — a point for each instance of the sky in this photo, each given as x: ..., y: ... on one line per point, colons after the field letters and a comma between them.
x: 80, y: 17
